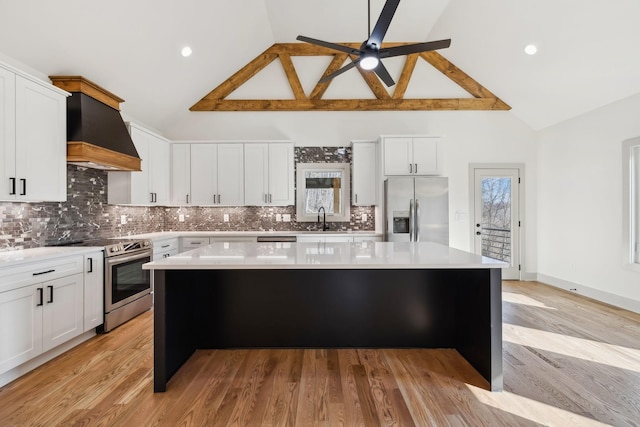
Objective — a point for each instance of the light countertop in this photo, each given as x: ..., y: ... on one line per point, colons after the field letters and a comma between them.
x: 21, y: 256
x: 365, y: 255
x: 170, y: 234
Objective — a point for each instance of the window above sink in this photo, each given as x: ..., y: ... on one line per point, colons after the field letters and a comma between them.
x: 323, y: 185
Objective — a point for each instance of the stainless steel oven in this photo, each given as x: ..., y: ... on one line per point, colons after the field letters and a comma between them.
x: 127, y: 287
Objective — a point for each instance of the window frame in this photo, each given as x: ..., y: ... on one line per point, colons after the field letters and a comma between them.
x: 631, y: 203
x: 345, y: 169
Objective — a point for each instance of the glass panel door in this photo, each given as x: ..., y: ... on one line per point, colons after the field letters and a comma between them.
x: 496, y: 224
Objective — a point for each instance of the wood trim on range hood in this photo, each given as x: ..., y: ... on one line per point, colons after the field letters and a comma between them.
x: 96, y: 134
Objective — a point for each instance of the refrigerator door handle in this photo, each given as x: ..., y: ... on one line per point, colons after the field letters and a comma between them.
x: 416, y: 219
x: 411, y: 220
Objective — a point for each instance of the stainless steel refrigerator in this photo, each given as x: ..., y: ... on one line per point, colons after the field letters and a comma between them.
x: 417, y: 209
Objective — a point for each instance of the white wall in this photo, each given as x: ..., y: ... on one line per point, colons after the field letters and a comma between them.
x: 580, y: 204
x: 468, y: 137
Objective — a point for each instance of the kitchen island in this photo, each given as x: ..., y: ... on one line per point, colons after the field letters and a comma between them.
x: 327, y: 295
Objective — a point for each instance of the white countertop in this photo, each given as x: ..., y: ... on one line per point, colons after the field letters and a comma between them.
x: 169, y: 234
x: 365, y: 255
x: 20, y: 256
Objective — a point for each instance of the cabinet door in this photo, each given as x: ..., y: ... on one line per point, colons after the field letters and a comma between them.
x: 41, y: 142
x: 139, y: 183
x: 93, y: 290
x: 63, y: 312
x: 365, y: 180
x: 230, y: 174
x: 159, y: 174
x: 204, y: 178
x: 281, y: 174
x: 7, y: 134
x: 425, y: 156
x: 398, y: 156
x: 180, y: 173
x: 256, y: 174
x: 20, y: 326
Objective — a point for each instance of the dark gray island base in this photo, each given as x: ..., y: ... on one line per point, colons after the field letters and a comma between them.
x: 328, y: 308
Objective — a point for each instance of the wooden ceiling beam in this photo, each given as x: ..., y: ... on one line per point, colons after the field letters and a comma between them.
x: 352, y: 104
x: 216, y: 99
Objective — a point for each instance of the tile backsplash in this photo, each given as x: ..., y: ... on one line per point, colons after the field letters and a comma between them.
x: 86, y: 215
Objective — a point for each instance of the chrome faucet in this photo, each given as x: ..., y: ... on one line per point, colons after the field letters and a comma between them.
x: 324, y: 218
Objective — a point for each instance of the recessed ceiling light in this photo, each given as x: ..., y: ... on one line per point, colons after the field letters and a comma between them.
x: 530, y: 49
x: 186, y: 51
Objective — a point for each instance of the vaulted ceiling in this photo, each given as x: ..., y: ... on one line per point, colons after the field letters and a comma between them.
x: 589, y: 54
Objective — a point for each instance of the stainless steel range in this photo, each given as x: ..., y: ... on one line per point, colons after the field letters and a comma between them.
x: 127, y: 287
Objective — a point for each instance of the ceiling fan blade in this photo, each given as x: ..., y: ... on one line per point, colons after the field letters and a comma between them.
x: 340, y: 71
x: 383, y: 23
x: 384, y: 75
x: 414, y: 48
x: 334, y: 46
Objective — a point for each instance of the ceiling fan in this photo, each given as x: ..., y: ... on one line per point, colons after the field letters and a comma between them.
x: 370, y: 53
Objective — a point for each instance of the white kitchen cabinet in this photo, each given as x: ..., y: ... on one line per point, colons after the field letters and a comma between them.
x: 188, y: 243
x: 269, y: 174
x: 41, y: 307
x: 165, y: 248
x: 411, y: 155
x: 364, y: 181
x: 33, y: 135
x: 207, y: 174
x: 93, y: 290
x: 150, y: 186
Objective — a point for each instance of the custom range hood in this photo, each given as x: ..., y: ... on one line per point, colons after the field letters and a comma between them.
x: 96, y: 134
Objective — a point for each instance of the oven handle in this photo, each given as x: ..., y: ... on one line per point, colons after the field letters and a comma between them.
x: 120, y: 259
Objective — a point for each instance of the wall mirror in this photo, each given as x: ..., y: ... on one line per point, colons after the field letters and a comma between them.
x: 323, y: 185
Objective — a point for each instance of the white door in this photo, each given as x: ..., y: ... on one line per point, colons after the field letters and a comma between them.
x: 256, y: 174
x: 204, y: 176
x: 93, y: 290
x: 159, y: 175
x: 425, y: 156
x: 63, y: 313
x: 398, y: 156
x: 281, y: 174
x: 180, y: 174
x: 230, y: 174
x: 20, y: 326
x: 140, y: 180
x: 7, y: 135
x: 364, y: 181
x: 496, y: 226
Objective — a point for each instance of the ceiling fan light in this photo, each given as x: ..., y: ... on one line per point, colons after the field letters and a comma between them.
x: 369, y: 62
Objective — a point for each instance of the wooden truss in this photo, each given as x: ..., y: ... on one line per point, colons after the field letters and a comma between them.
x: 482, y: 99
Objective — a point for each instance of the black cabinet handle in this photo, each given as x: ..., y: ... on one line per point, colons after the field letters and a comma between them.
x: 44, y: 272
x: 187, y: 199
x: 50, y: 294
x: 39, y: 297
x: 478, y: 233
x: 24, y: 186
x: 90, y: 265
x: 165, y: 246
x: 13, y: 186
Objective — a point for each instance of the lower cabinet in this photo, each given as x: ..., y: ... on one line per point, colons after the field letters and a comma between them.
x: 165, y: 248
x: 93, y: 290
x: 36, y: 318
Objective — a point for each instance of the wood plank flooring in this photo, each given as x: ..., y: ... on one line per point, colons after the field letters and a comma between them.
x: 568, y: 361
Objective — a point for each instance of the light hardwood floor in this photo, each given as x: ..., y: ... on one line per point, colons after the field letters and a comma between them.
x: 568, y: 361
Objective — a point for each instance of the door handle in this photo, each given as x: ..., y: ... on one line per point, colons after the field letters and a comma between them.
x: 415, y: 167
x: 269, y: 197
x: 356, y: 198
x: 50, y: 294
x: 13, y: 186
x: 90, y: 265
x: 214, y: 199
x: 416, y: 219
x: 410, y: 168
x: 187, y: 199
x: 478, y: 233
x: 411, y: 220
x: 24, y: 186
x: 219, y: 200
x: 40, y: 304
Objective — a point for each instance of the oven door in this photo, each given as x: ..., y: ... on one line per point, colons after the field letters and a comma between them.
x: 125, y: 280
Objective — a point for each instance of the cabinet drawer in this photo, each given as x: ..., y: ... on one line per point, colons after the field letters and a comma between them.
x: 41, y: 271
x: 194, y: 242
x: 165, y: 245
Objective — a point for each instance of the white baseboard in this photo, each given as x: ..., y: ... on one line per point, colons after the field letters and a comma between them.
x: 606, y: 297
x: 32, y: 364
x: 528, y: 277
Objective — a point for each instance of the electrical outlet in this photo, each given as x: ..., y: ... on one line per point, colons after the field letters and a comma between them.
x: 123, y: 219
x: 181, y: 217
x: 226, y: 217
x: 364, y: 217
x: 278, y: 218
x: 286, y: 217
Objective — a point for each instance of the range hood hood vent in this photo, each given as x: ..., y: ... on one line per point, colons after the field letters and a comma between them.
x: 96, y: 134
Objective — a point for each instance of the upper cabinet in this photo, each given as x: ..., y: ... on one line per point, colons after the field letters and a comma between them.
x: 149, y: 186
x: 207, y: 174
x: 268, y: 174
x: 411, y: 155
x: 364, y: 174
x: 33, y: 139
